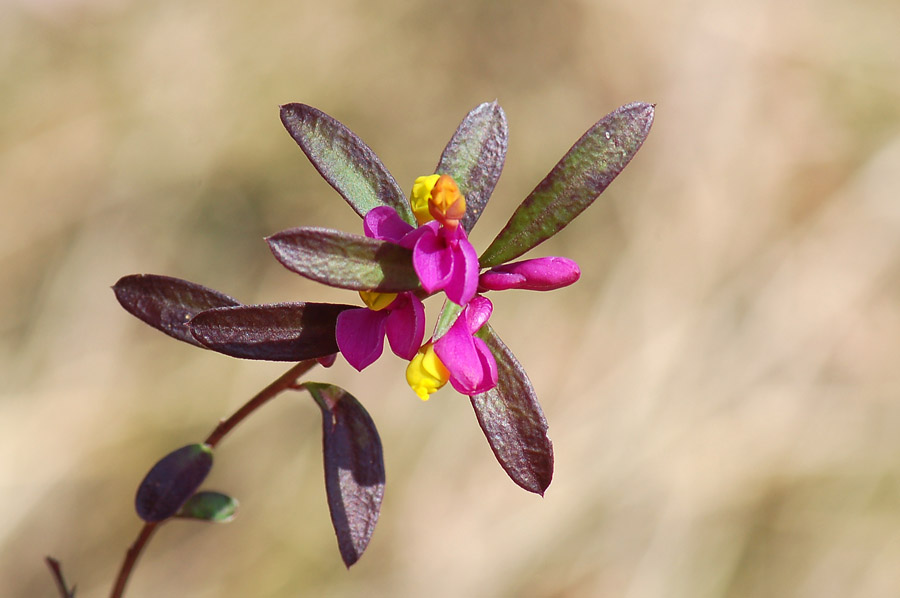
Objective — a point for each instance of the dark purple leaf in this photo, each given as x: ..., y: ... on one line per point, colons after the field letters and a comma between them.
x: 209, y: 505
x: 345, y: 260
x: 474, y: 157
x: 172, y: 481
x: 574, y: 183
x: 167, y: 303
x: 354, y: 468
x: 277, y: 332
x: 513, y: 422
x: 343, y: 160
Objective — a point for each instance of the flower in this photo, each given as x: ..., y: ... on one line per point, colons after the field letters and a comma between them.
x: 360, y: 332
x: 468, y: 359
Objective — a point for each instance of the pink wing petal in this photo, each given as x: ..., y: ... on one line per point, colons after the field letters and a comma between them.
x: 432, y: 261
x: 406, y: 326
x: 472, y: 368
x: 477, y: 313
x: 384, y: 224
x: 360, y: 336
x: 463, y: 281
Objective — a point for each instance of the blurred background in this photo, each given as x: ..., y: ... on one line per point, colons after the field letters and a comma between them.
x: 722, y: 386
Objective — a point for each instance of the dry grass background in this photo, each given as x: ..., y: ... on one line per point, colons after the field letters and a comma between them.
x: 723, y: 385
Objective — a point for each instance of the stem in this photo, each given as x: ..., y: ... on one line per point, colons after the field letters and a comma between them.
x: 286, y: 381
x: 131, y: 558
x: 61, y: 585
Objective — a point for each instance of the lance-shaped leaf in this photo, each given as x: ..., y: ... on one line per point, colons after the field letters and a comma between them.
x: 167, y: 303
x: 345, y: 260
x: 348, y: 164
x: 574, y: 183
x: 209, y: 505
x: 513, y: 422
x: 173, y: 480
x: 354, y: 468
x: 474, y: 157
x: 276, y: 332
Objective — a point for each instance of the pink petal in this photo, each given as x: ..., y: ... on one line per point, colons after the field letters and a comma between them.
x: 385, y: 224
x: 432, y: 261
x: 463, y: 281
x: 477, y: 313
x: 406, y: 325
x: 473, y: 369
x: 360, y: 336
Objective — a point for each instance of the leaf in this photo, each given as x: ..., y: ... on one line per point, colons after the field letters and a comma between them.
x: 276, y: 332
x: 574, y: 183
x: 345, y: 260
x: 474, y: 157
x: 209, y: 505
x: 172, y: 481
x: 513, y: 422
x: 348, y: 164
x: 354, y: 468
x: 167, y: 303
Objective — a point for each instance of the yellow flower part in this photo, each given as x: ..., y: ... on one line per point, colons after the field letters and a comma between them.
x: 447, y: 205
x: 377, y: 301
x: 421, y: 193
x: 426, y: 374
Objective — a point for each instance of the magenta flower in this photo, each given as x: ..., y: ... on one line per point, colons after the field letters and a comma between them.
x: 443, y: 258
x: 360, y: 332
x: 540, y: 274
x: 469, y: 360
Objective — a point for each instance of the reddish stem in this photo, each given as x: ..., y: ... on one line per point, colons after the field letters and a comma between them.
x: 286, y: 381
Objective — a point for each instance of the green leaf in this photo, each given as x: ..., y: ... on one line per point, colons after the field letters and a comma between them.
x: 167, y: 303
x: 348, y: 164
x: 209, y: 505
x: 474, y: 157
x: 354, y: 468
x: 512, y: 421
x: 345, y: 260
x: 276, y: 332
x: 574, y: 183
x: 174, y: 478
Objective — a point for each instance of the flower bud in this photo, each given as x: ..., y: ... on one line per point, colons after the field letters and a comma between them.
x: 540, y: 274
x: 447, y: 205
x: 421, y: 194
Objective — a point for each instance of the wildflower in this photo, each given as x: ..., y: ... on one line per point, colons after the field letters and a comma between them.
x: 468, y: 359
x: 360, y: 332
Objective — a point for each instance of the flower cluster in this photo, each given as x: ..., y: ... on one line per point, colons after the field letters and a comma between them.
x: 413, y: 248
x: 443, y: 260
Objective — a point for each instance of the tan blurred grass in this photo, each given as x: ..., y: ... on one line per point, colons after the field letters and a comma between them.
x: 722, y: 385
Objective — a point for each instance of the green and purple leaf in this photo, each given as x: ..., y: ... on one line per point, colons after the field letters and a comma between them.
x: 276, y: 332
x: 172, y: 481
x: 513, y: 422
x: 345, y: 260
x: 348, y: 164
x: 354, y: 468
x: 474, y: 157
x: 167, y: 303
x: 575, y: 182
x: 209, y: 505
